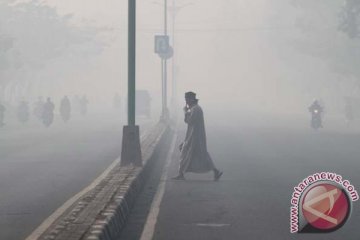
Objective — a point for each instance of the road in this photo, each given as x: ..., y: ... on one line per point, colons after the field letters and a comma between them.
x: 262, y: 159
x: 41, y: 168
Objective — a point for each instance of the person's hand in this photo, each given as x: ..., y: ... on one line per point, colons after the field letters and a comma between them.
x: 185, y: 109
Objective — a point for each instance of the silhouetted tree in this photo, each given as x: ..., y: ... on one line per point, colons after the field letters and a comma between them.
x: 37, y: 45
x: 349, y: 18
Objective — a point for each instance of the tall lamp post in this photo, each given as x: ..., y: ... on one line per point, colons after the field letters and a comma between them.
x: 170, y: 54
x: 165, y: 111
x: 173, y: 92
x: 131, y: 150
x: 175, y: 11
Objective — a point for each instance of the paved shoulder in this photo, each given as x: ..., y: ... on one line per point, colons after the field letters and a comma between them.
x: 251, y: 201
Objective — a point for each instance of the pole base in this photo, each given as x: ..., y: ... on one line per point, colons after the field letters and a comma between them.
x: 131, y: 150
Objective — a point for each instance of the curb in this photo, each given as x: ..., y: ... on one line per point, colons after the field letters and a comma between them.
x: 101, y: 213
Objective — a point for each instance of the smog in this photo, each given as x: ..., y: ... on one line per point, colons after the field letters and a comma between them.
x: 275, y: 85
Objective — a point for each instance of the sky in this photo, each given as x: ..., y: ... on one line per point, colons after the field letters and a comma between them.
x: 233, y: 54
x: 197, y: 22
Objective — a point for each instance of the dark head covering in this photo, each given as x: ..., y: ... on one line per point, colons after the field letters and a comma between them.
x: 190, y: 95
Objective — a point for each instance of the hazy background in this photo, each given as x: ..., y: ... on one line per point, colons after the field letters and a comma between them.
x: 257, y: 55
x: 256, y: 66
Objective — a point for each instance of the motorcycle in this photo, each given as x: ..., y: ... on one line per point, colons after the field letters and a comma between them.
x: 48, y: 113
x: 316, y: 120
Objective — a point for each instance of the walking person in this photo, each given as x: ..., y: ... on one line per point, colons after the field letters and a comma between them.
x: 65, y: 109
x: 194, y: 155
x: 48, y: 112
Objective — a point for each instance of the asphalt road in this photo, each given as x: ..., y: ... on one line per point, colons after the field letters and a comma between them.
x: 41, y: 168
x: 262, y: 159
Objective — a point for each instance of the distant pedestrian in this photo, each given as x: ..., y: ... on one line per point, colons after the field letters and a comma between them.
x: 65, y: 109
x: 194, y: 155
x: 48, y: 112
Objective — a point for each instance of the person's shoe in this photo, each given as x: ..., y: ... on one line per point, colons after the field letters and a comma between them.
x: 179, y: 177
x: 217, y: 175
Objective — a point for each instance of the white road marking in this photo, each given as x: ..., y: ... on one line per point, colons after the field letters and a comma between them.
x: 52, y: 218
x: 212, y: 224
x: 150, y: 224
x: 58, y: 212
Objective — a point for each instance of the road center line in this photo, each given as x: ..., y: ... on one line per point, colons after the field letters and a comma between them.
x: 212, y: 225
x: 150, y: 224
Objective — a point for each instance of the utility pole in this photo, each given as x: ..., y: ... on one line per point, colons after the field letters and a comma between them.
x: 175, y: 9
x: 131, y: 61
x: 174, y: 92
x: 131, y: 150
x: 169, y: 54
x: 165, y: 111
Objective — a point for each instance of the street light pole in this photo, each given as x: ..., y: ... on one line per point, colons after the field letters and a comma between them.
x: 165, y: 111
x: 131, y: 61
x: 165, y: 17
x: 174, y: 92
x: 131, y: 150
x: 173, y: 103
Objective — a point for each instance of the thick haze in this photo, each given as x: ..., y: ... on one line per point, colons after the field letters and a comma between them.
x: 256, y: 66
x: 257, y: 55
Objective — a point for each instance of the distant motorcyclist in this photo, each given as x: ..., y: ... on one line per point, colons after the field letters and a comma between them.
x: 2, y: 114
x: 316, y: 111
x: 83, y: 105
x: 65, y: 109
x: 23, y: 112
x: 48, y: 113
x: 39, y: 108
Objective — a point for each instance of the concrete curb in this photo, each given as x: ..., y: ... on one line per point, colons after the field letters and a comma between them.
x: 101, y: 213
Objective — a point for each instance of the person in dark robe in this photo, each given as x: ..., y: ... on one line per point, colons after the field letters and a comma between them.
x: 194, y: 155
